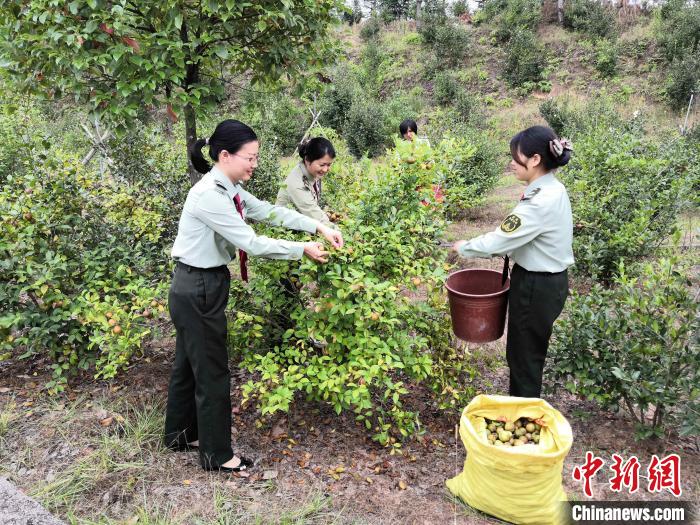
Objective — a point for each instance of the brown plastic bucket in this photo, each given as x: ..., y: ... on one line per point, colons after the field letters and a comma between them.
x: 478, y: 304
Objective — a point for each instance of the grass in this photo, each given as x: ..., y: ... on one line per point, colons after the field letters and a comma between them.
x: 7, y: 415
x: 507, y: 121
x: 122, y: 470
x: 315, y: 508
x: 119, y: 459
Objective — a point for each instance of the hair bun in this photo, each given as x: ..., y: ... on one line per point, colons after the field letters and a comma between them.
x: 564, y: 158
x: 561, y: 149
x: 302, y: 147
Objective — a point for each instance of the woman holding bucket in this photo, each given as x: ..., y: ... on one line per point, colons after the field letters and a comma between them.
x: 538, y: 236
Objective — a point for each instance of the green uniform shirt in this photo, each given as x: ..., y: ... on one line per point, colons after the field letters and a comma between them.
x: 538, y: 234
x: 298, y: 191
x: 211, y: 229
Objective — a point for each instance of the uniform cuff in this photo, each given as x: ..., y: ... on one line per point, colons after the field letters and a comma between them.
x: 308, y: 225
x: 298, y: 250
x: 464, y: 250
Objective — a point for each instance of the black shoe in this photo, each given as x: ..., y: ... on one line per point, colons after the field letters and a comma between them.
x: 244, y: 465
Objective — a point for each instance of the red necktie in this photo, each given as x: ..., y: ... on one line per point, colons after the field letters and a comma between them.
x: 242, y: 256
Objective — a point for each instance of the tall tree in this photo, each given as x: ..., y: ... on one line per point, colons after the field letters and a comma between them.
x: 119, y: 55
x: 394, y: 9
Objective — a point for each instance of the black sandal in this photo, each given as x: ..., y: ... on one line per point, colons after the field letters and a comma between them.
x: 245, y: 464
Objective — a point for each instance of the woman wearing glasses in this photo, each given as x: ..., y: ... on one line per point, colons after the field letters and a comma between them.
x: 212, y: 227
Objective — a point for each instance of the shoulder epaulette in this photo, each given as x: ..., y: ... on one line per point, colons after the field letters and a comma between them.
x: 530, y: 194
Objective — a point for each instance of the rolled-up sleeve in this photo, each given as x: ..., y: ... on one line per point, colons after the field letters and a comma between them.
x: 276, y: 215
x: 217, y: 211
x: 516, y: 230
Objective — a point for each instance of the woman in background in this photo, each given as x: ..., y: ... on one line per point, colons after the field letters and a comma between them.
x: 302, y: 187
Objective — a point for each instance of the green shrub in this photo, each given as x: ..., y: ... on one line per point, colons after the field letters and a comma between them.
x: 145, y: 159
x: 693, y: 135
x: 358, y: 343
x: 22, y: 131
x: 374, y: 64
x: 366, y: 130
x: 469, y: 169
x: 371, y: 29
x: 445, y: 88
x: 460, y: 7
x: 402, y: 105
x: 568, y: 121
x: 606, y: 53
x: 626, y: 192
x: 280, y: 117
x: 15, y: 146
x: 634, y: 346
x: 466, y: 106
x: 678, y: 29
x: 337, y: 99
x: 590, y: 17
x: 82, y: 259
x: 525, y: 59
x: 490, y: 10
x: 429, y: 26
x: 683, y: 79
x: 451, y: 44
x: 517, y: 16
x: 560, y: 117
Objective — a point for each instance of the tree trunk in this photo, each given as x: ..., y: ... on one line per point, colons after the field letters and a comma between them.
x: 418, y: 2
x: 560, y: 12
x: 191, y: 79
x: 191, y: 138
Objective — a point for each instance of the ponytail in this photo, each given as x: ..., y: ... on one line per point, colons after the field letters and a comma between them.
x: 196, y: 157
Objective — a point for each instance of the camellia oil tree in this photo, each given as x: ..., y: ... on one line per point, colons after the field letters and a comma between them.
x: 120, y: 56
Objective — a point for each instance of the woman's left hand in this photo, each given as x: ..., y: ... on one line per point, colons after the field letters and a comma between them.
x: 333, y: 236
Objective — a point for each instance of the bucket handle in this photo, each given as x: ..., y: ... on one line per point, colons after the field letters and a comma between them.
x: 506, y: 270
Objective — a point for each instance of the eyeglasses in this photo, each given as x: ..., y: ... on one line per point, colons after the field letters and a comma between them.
x: 251, y: 159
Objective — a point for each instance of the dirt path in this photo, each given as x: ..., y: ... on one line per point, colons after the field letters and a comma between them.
x: 94, y: 454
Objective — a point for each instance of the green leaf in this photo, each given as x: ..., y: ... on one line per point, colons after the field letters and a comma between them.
x: 221, y: 51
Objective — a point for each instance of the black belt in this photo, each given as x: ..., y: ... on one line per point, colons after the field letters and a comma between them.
x: 189, y: 268
x: 516, y: 265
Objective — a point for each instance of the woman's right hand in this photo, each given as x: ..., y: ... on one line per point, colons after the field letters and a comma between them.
x: 315, y: 251
x: 456, y: 246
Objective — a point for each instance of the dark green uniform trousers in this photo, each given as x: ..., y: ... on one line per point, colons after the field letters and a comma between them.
x: 535, y: 301
x: 199, y: 396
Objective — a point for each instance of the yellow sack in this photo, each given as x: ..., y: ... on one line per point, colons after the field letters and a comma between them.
x: 517, y: 484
